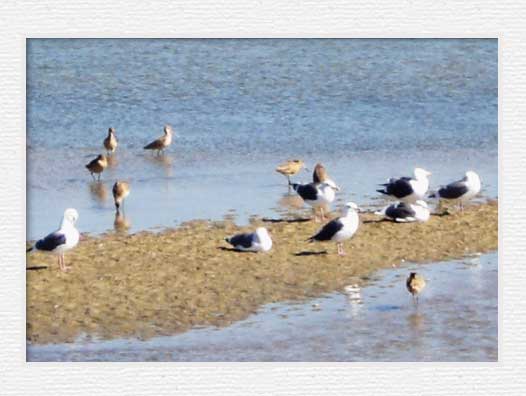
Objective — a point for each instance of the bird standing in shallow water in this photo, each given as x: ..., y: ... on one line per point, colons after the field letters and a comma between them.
x: 415, y: 283
x: 290, y: 168
x: 163, y: 142
x: 120, y: 190
x: 62, y: 240
x: 339, y: 229
x: 110, y: 142
x: 97, y: 165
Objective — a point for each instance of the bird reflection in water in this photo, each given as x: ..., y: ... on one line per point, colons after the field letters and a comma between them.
x: 98, y: 191
x: 122, y: 223
x: 162, y: 160
x: 416, y: 321
x: 291, y: 202
x: 112, y: 161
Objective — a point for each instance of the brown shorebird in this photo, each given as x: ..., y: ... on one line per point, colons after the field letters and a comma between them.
x: 163, y: 142
x: 290, y: 168
x: 110, y: 142
x: 415, y: 284
x: 97, y: 165
x: 121, y: 190
x: 320, y: 174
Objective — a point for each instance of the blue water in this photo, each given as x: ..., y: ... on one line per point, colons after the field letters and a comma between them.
x: 368, y: 109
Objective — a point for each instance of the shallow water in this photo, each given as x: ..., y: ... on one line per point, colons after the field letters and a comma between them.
x: 367, y: 109
x: 456, y: 320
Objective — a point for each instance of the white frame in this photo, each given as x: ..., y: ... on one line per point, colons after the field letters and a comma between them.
x: 383, y: 18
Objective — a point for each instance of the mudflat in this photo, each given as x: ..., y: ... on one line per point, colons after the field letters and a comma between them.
x: 150, y: 284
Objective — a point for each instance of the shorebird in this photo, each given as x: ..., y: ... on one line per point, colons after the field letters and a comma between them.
x: 163, y: 142
x: 110, y: 142
x: 97, y: 165
x: 407, y: 189
x: 62, y: 240
x: 258, y: 241
x: 415, y: 283
x: 320, y: 174
x: 461, y: 191
x: 317, y: 195
x: 120, y: 190
x: 405, y: 213
x: 290, y: 168
x: 339, y: 229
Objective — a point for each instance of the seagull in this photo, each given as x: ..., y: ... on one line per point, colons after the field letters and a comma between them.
x: 121, y: 190
x: 405, y: 213
x: 258, y: 241
x: 62, y: 240
x: 97, y: 165
x: 462, y: 190
x: 317, y: 194
x: 163, y: 142
x: 110, y: 142
x: 339, y: 229
x: 415, y: 283
x: 407, y: 189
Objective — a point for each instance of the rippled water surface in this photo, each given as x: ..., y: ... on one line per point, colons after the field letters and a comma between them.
x: 456, y: 320
x: 368, y: 109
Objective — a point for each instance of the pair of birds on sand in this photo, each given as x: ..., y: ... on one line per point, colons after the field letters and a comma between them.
x: 110, y: 143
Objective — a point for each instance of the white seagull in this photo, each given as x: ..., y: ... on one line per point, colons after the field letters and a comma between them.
x: 407, y: 189
x: 317, y: 194
x: 258, y: 241
x: 405, y: 213
x: 462, y: 190
x: 62, y: 240
x: 339, y: 229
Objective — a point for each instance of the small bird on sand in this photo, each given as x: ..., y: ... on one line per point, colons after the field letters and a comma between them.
x: 405, y: 213
x: 415, y: 283
x: 120, y: 190
x: 258, y: 241
x: 339, y: 229
x: 110, y: 142
x: 461, y: 191
x: 163, y: 142
x: 290, y: 168
x: 317, y: 195
x: 62, y: 240
x: 97, y: 165
x: 408, y: 189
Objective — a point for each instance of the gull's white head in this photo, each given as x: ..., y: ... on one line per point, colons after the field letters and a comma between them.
x: 350, y: 207
x: 332, y: 185
x: 262, y: 232
x: 421, y: 173
x: 71, y: 215
x: 421, y: 203
x: 471, y: 175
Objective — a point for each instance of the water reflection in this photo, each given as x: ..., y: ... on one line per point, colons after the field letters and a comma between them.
x: 112, y: 160
x: 122, y: 222
x: 291, y: 201
x: 163, y: 160
x: 98, y: 191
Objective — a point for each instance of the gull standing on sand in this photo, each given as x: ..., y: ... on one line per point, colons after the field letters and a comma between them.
x: 405, y: 213
x: 62, y: 240
x: 339, y: 229
x: 110, y: 142
x: 407, y: 189
x: 461, y: 191
x: 97, y: 165
x: 415, y: 283
x: 163, y: 142
x: 258, y: 241
x: 317, y: 194
x: 120, y: 190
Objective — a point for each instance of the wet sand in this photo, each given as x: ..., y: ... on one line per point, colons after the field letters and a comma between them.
x: 150, y: 284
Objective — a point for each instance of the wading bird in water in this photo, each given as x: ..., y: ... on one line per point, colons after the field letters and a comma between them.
x: 415, y: 283
x: 97, y: 165
x: 120, y: 190
x: 110, y: 142
x: 163, y: 142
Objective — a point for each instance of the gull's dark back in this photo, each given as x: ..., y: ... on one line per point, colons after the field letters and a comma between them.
x: 244, y: 240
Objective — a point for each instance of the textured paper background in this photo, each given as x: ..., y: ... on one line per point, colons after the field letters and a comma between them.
x: 21, y: 19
